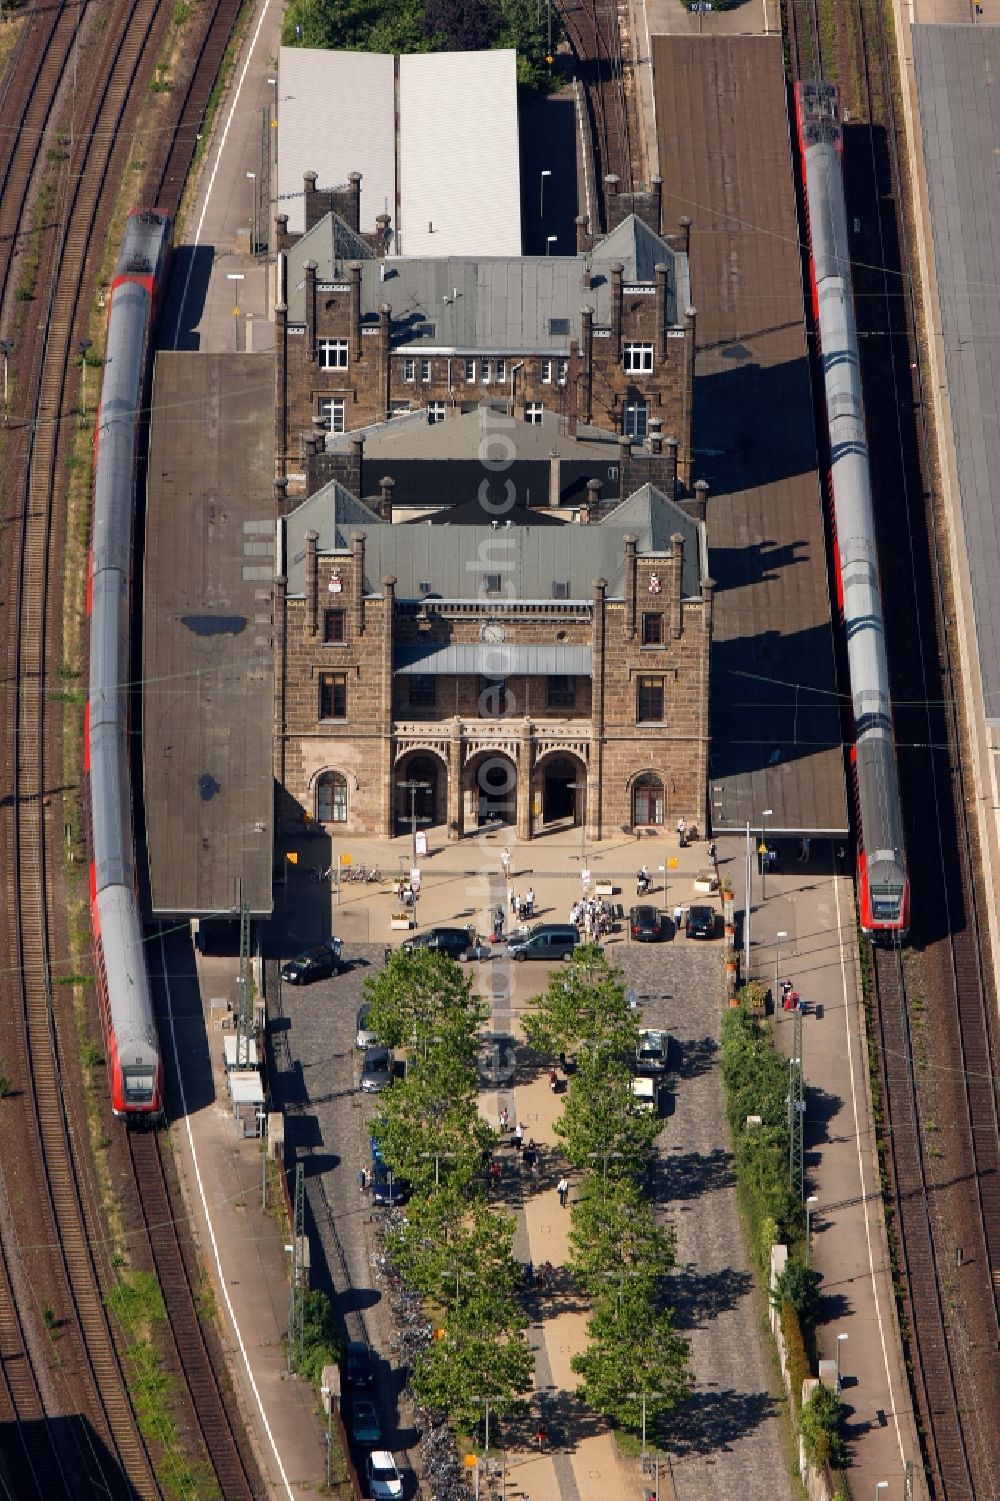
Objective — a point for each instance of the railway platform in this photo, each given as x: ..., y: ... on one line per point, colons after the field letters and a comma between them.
x: 803, y: 929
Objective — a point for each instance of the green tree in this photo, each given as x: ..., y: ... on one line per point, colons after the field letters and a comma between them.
x: 423, y: 999
x: 462, y: 25
x: 819, y: 1424
x: 456, y: 1253
x: 632, y: 1348
x: 524, y: 25
x: 584, y: 1008
x: 613, y: 1231
x: 601, y: 1124
x: 321, y: 1343
x: 473, y: 1363
x: 798, y: 1286
x: 429, y: 1127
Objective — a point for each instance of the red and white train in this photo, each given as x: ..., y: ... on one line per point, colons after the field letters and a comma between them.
x: 135, y: 1066
x: 883, y: 882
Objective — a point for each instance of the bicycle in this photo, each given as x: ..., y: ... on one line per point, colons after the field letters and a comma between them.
x: 320, y: 873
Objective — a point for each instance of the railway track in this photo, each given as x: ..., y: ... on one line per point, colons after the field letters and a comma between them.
x: 591, y: 27
x: 97, y: 1450
x: 938, y: 1082
x: 237, y: 1475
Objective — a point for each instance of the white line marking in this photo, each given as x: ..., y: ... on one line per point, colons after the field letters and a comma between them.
x: 211, y: 1230
x: 861, y: 1171
x: 218, y: 158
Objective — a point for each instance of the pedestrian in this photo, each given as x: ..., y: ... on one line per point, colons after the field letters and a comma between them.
x: 363, y: 1179
x: 535, y: 1169
x: 542, y: 1436
x: 804, y: 849
x: 562, y: 1189
x: 504, y: 1117
x: 713, y: 852
x: 518, y: 1137
x: 529, y: 901
x: 681, y: 833
x: 505, y: 863
x: 513, y: 900
x: 529, y: 1275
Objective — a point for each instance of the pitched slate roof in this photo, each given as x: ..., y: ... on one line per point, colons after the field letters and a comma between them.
x: 452, y: 559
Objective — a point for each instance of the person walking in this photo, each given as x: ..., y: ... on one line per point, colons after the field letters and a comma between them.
x: 505, y: 863
x: 518, y: 1137
x: 562, y: 1189
x: 554, y: 1081
x: 363, y: 1180
x: 681, y: 833
x: 504, y: 1117
x: 804, y: 849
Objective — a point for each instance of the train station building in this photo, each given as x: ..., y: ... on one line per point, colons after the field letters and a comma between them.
x: 532, y: 675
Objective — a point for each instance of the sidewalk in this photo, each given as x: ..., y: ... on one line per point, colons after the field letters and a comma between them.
x: 811, y: 905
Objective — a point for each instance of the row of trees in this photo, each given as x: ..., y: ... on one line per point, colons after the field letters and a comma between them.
x: 635, y: 1363
x: 453, y: 1247
x: 429, y: 26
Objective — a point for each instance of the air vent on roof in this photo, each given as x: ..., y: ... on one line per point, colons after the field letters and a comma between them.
x: 423, y: 330
x: 560, y: 589
x: 558, y: 325
x: 491, y: 583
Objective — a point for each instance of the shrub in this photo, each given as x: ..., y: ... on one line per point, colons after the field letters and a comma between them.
x: 798, y: 1361
x: 819, y: 1424
x: 321, y: 1343
x: 798, y: 1285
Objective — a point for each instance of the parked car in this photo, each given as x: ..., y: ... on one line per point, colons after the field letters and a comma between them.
x: 318, y: 963
x: 365, y: 1426
x: 645, y: 924
x: 646, y: 1093
x: 546, y: 941
x: 366, y: 1038
x: 652, y: 1051
x: 376, y: 1070
x: 451, y: 941
x: 384, y: 1480
x: 700, y: 922
x: 358, y: 1367
x: 387, y: 1188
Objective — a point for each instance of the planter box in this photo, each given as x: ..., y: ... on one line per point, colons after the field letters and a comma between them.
x: 400, y: 922
x: 705, y: 883
x: 604, y: 888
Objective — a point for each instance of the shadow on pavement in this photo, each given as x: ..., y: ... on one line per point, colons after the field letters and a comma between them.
x: 700, y: 1296
x: 714, y: 1420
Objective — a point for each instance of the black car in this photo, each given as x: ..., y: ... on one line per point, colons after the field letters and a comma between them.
x: 376, y: 1071
x: 387, y: 1188
x: 645, y: 924
x: 451, y: 941
x: 358, y: 1368
x: 700, y: 923
x: 315, y: 964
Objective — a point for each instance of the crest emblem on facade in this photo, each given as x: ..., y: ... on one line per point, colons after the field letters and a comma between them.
x: 336, y: 582
x: 654, y: 583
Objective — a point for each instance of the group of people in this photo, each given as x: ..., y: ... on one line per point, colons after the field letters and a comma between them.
x: 522, y: 907
x: 592, y: 916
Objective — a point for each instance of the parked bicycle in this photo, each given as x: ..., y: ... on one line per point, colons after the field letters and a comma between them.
x: 320, y: 873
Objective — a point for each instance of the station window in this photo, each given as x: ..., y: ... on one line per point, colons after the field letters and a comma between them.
x: 534, y: 411
x: 649, y: 701
x: 545, y: 372
x: 435, y: 411
x: 500, y: 370
x: 562, y: 371
x: 562, y: 692
x: 334, y: 623
x: 333, y: 695
x: 652, y: 628
x: 425, y: 370
x: 487, y: 372
x: 422, y: 691
x: 635, y: 423
x: 409, y: 369
x: 470, y: 372
x: 637, y: 358
x: 332, y: 354
x: 331, y: 411
x: 331, y: 797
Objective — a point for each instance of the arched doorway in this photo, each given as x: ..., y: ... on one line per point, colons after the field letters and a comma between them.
x: 490, y: 790
x: 418, y: 792
x: 331, y: 797
x: 647, y: 799
x: 564, y: 792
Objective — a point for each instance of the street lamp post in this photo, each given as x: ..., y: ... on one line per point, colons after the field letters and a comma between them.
x: 550, y: 240
x: 83, y: 346
x: 641, y: 1397
x: 811, y: 1203
x: 413, y: 787
x: 237, y: 277
x: 749, y: 902
x: 841, y: 1340
x: 6, y: 347
x: 765, y: 815
x: 546, y: 172
x: 252, y: 177
x: 777, y: 963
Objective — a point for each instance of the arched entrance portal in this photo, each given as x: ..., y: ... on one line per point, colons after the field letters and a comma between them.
x: 490, y: 787
x: 564, y: 792
x: 418, y: 792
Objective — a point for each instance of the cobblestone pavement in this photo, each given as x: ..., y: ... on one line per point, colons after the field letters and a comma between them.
x: 726, y: 1442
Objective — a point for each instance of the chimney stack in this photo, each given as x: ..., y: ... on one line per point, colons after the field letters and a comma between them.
x: 670, y: 469
x: 677, y: 585
x: 354, y: 273
x: 354, y: 198
x: 593, y: 500
x: 657, y: 191
x: 386, y: 485
x: 310, y: 269
x: 309, y: 194
x: 582, y: 234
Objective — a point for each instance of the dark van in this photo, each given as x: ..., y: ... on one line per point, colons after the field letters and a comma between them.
x: 547, y: 941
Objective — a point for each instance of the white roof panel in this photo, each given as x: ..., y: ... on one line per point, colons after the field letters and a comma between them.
x: 453, y: 175
x: 336, y: 114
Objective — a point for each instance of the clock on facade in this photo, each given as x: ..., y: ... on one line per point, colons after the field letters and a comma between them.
x: 491, y: 631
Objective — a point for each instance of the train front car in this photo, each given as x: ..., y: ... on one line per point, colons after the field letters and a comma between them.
x: 882, y: 880
x: 134, y: 1063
